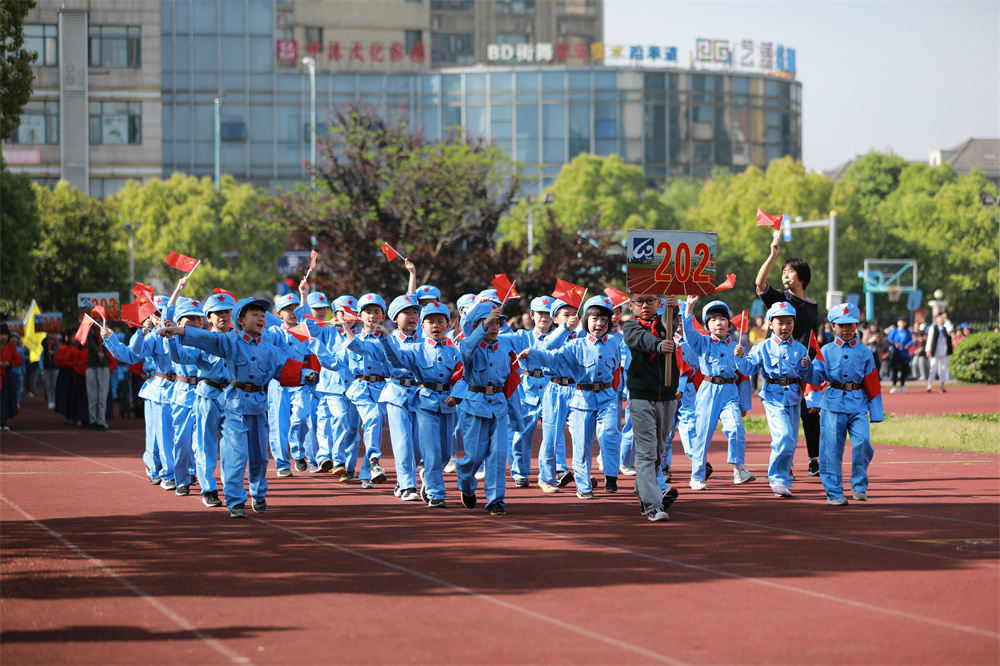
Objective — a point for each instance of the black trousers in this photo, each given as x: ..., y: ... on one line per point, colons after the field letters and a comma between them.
x: 810, y: 430
x: 899, y: 368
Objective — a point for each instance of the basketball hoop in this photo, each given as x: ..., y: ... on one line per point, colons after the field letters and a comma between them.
x: 894, y: 291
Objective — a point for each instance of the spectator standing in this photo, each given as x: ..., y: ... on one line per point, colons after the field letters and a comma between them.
x: 938, y: 348
x: 899, y: 340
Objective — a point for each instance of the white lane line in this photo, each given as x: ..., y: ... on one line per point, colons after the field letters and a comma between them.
x: 180, y: 621
x: 757, y: 581
x: 478, y: 595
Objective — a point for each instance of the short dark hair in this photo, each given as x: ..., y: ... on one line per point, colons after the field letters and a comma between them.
x: 252, y: 306
x: 801, y: 268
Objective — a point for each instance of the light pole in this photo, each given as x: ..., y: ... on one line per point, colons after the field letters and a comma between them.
x: 218, y: 136
x: 994, y: 207
x: 130, y: 229
x: 544, y: 199
x: 311, y: 64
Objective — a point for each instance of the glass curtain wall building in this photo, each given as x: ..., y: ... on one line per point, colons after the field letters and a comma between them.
x: 669, y: 122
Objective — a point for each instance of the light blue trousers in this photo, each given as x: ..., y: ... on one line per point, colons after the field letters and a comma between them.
x: 834, y: 428
x: 485, y: 439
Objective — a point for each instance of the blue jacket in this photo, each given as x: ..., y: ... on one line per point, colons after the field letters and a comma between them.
x: 851, y: 362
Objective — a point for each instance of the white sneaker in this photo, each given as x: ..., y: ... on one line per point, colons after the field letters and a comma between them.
x: 626, y: 471
x: 742, y: 475
x: 52, y: 405
x: 781, y: 490
x: 409, y: 495
x: 903, y: 389
x: 600, y: 463
x: 698, y: 485
x: 892, y: 390
x: 481, y: 474
x: 657, y: 515
x: 450, y: 466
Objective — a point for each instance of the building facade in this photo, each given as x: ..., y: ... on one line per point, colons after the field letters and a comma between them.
x: 533, y: 76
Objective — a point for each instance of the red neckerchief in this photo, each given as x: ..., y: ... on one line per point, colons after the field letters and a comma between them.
x: 650, y: 325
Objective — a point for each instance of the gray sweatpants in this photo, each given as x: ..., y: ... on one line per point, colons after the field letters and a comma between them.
x: 650, y: 423
x: 98, y: 382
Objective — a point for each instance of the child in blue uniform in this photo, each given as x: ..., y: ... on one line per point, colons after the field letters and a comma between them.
x: 719, y: 397
x: 853, y: 397
x: 399, y: 395
x: 251, y: 363
x: 782, y: 360
x: 433, y: 362
x: 338, y: 417
x: 555, y: 402
x: 594, y: 359
x: 188, y: 313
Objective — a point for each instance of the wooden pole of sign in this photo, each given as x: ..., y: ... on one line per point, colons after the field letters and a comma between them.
x: 668, y: 359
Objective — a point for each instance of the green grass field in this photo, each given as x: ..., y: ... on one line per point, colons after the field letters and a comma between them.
x: 960, y: 432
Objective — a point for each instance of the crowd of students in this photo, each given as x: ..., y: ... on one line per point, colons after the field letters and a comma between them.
x: 313, y: 384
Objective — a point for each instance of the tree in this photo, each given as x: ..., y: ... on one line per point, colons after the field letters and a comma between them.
x: 16, y: 77
x: 727, y: 205
x: 238, y: 246
x: 599, y: 194
x: 80, y: 250
x: 20, y: 231
x: 438, y: 204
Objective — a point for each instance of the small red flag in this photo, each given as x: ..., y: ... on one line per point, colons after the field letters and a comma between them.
x: 814, y: 344
x: 312, y: 260
x: 570, y: 293
x: 698, y: 326
x: 137, y: 311
x: 350, y: 316
x: 728, y: 284
x: 768, y: 220
x: 300, y: 332
x: 100, y: 310
x: 505, y: 288
x: 141, y: 289
x: 84, y: 330
x: 390, y: 253
x: 617, y: 297
x: 321, y: 322
x: 741, y: 322
x: 513, y: 379
x: 220, y: 290
x: 181, y: 262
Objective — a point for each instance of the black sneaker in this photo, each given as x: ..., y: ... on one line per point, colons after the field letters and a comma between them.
x: 564, y: 478
x: 238, y: 511
x: 813, y: 468
x: 669, y: 497
x: 168, y: 485
x: 211, y: 499
x: 611, y: 484
x: 585, y: 496
x: 181, y: 491
x: 708, y: 470
x: 301, y: 465
x: 521, y: 483
x: 284, y: 472
x: 194, y: 481
x: 667, y: 476
x: 496, y: 509
x: 325, y: 466
x: 378, y: 474
x: 468, y: 501
x: 259, y: 507
x: 436, y: 504
x: 154, y: 481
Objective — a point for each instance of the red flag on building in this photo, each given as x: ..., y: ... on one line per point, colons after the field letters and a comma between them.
x: 570, y: 293
x: 390, y: 253
x: 181, y: 262
x: 768, y: 220
x: 617, y: 297
x: 505, y: 288
x: 728, y: 284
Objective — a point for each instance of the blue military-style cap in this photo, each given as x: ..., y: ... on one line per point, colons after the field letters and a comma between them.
x: 290, y: 299
x: 488, y: 295
x: 599, y: 302
x: 464, y: 301
x: 241, y: 305
x: 428, y: 292
x: 435, y: 308
x: 317, y: 300
x: 219, y: 302
x: 780, y: 309
x: 542, y: 304
x: 715, y: 306
x: 848, y: 313
x: 475, y: 314
x: 189, y: 308
x: 371, y: 299
x: 346, y: 303
x: 556, y: 304
x: 400, y: 303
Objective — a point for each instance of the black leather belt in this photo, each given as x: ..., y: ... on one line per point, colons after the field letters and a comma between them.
x: 536, y: 373
x: 782, y: 381
x: 846, y: 386
x: 487, y: 390
x: 371, y: 378
x: 596, y: 386
x: 247, y: 387
x: 219, y: 385
x: 169, y: 376
x: 405, y: 381
x: 435, y: 386
x: 186, y: 380
x: 562, y: 381
x: 721, y: 380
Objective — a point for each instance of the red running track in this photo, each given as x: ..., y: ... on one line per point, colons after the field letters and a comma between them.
x: 98, y: 567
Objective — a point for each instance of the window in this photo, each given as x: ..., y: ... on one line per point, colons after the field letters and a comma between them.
x: 233, y: 131
x: 44, y: 40
x: 284, y: 33
x: 515, y: 6
x: 39, y: 124
x: 456, y: 49
x: 115, y: 46
x: 105, y: 187
x: 413, y: 37
x: 452, y: 5
x: 314, y: 36
x: 115, y: 123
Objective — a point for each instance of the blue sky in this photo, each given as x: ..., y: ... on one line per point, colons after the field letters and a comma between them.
x: 905, y: 77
